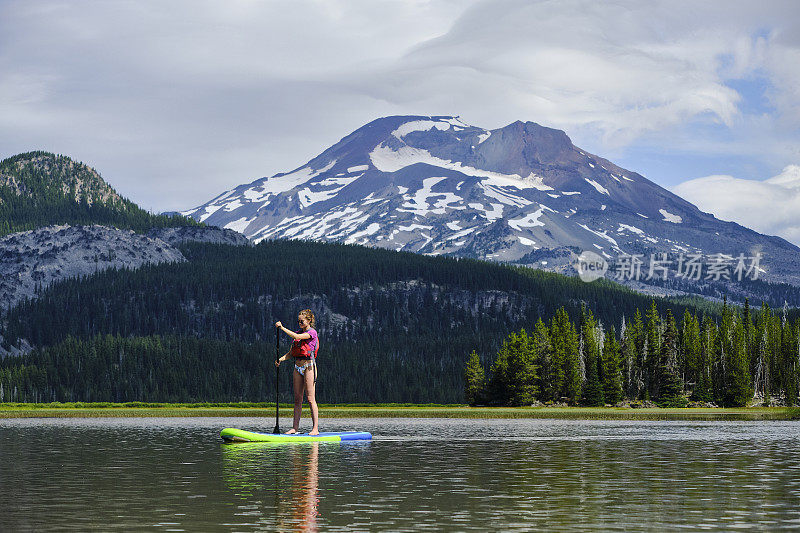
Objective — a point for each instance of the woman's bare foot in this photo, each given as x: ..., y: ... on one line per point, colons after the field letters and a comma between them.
x: 314, y: 432
x: 291, y: 432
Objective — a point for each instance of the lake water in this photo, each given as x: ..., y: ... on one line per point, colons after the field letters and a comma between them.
x: 417, y: 474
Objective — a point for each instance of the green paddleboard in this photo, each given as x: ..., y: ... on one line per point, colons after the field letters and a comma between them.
x: 240, y: 435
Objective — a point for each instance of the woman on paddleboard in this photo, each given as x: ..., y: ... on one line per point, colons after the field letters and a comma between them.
x: 304, y: 352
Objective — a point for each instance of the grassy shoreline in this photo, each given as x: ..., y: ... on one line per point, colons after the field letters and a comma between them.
x: 267, y: 410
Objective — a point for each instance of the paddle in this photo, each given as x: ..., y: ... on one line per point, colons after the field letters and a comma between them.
x: 277, y: 376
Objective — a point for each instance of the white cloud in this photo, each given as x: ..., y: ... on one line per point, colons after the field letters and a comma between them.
x: 771, y: 206
x: 176, y: 101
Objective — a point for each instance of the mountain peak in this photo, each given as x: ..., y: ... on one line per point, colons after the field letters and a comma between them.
x: 42, y: 189
x: 400, y: 125
x: 26, y: 173
x: 436, y: 185
x: 540, y: 143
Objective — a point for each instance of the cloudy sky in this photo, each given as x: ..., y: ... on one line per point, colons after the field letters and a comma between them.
x: 175, y: 101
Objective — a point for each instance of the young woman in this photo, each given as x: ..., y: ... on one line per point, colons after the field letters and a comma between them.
x: 304, y: 351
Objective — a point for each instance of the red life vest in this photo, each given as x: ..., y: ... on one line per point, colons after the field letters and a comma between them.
x: 305, y: 348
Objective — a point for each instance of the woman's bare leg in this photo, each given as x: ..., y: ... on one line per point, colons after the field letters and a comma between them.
x: 312, y: 400
x: 299, y: 383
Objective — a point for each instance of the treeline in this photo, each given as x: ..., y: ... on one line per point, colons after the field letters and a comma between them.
x: 394, y: 326
x: 190, y: 369
x: 41, y: 189
x: 732, y: 360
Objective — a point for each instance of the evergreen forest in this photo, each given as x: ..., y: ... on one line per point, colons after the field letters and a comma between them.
x: 394, y: 326
x: 737, y: 359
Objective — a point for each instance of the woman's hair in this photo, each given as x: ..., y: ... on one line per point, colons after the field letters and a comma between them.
x: 310, y: 316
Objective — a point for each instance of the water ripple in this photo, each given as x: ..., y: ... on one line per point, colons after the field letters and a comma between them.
x: 428, y: 474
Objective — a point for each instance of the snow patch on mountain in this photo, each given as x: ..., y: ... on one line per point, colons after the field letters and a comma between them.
x: 597, y: 186
x: 418, y: 202
x: 209, y: 210
x: 308, y: 197
x: 501, y: 196
x: 528, y: 221
x: 235, y: 204
x: 602, y: 234
x: 459, y: 234
x: 669, y: 217
x: 420, y: 125
x: 285, y: 182
x: 634, y: 229
x: 389, y: 160
x: 370, y: 230
x: 239, y: 225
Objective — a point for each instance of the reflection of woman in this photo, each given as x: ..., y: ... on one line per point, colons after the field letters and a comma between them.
x: 304, y: 351
x: 305, y: 491
x: 294, y: 483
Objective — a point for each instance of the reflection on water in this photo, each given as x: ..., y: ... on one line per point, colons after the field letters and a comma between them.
x: 254, y: 471
x: 479, y: 475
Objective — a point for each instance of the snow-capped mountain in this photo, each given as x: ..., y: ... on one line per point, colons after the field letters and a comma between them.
x: 522, y: 193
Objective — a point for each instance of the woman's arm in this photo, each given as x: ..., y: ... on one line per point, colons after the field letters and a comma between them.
x: 292, y: 334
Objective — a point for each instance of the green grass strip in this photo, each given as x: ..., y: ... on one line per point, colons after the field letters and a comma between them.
x: 266, y: 410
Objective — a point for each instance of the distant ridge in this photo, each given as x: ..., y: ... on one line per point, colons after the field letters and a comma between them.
x: 39, y: 189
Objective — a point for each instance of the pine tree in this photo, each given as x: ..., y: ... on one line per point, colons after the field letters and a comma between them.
x: 513, y: 380
x: 474, y: 380
x: 592, y: 386
x: 722, y: 355
x: 572, y: 372
x: 692, y: 352
x: 652, y: 351
x: 751, y: 338
x: 637, y: 339
x: 558, y: 334
x: 523, y: 372
x: 668, y: 390
x: 790, y: 353
x: 738, y: 391
x: 612, y: 373
x: 703, y: 389
x: 566, y: 357
x: 543, y: 348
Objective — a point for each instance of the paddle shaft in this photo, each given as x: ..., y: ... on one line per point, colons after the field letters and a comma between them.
x: 277, y: 376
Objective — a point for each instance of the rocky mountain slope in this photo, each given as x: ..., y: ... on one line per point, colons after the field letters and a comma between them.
x: 93, y: 230
x: 33, y: 260
x: 46, y: 255
x: 43, y: 256
x: 209, y: 234
x: 522, y: 193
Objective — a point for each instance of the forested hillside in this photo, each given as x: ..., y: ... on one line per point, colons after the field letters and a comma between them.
x: 41, y: 189
x: 394, y: 326
x: 736, y: 359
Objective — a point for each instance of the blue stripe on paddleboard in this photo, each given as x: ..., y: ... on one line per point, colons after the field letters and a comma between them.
x: 355, y: 435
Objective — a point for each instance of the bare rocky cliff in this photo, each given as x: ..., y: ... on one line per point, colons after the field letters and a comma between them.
x: 36, y: 259
x: 40, y: 257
